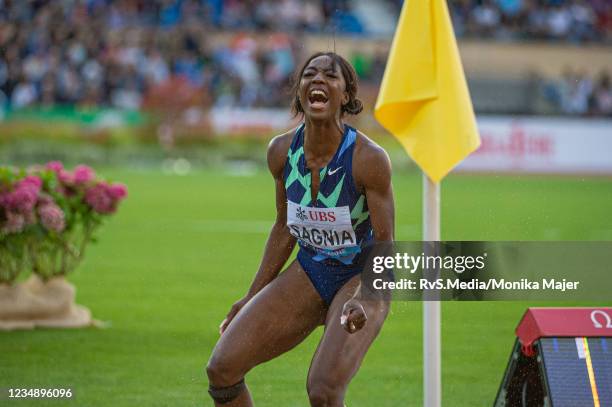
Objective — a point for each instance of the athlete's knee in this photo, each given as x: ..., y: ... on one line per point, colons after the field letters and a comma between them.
x: 221, y: 372
x: 225, y: 382
x: 322, y: 394
x: 226, y: 394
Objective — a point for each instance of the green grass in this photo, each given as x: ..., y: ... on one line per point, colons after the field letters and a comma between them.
x: 182, y: 249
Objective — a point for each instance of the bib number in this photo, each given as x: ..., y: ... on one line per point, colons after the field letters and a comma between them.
x: 321, y: 228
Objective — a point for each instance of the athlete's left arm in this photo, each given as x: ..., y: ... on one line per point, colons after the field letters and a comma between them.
x: 372, y: 174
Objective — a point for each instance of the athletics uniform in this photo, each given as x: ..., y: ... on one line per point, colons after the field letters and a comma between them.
x: 333, y: 229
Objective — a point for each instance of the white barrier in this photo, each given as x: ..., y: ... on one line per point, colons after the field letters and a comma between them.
x: 264, y: 122
x: 509, y: 144
x: 542, y: 145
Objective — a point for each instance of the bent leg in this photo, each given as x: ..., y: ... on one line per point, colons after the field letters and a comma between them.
x: 277, y: 319
x: 340, y: 354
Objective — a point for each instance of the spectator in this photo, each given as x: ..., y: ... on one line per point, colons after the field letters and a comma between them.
x: 487, y: 17
x: 575, y: 94
x: 559, y: 21
x: 584, y: 22
x: 602, y: 96
x: 536, y: 20
x: 510, y: 8
x: 579, y: 91
x: 24, y: 94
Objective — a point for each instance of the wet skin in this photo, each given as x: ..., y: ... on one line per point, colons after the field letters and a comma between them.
x: 281, y: 310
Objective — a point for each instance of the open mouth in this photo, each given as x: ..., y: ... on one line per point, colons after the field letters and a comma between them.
x: 317, y: 98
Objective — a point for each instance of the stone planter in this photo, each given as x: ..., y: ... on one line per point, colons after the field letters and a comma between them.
x: 36, y: 303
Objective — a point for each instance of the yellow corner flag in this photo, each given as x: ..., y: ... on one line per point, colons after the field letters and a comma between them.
x: 424, y: 99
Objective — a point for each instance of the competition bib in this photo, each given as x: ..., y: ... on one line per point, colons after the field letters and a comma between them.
x: 325, y: 229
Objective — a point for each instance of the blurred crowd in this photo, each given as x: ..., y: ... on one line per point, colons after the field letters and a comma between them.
x: 562, y: 20
x: 125, y: 53
x: 82, y: 58
x: 131, y: 54
x: 253, y: 15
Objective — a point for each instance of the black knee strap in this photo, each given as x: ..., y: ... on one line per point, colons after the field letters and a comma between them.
x: 224, y: 395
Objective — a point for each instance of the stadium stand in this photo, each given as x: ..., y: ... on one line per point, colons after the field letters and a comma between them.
x: 121, y: 53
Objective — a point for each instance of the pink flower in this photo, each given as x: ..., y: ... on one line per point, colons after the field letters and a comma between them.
x: 99, y: 198
x: 117, y: 191
x: 52, y: 217
x: 31, y: 180
x: 83, y: 174
x: 22, y: 199
x: 65, y: 177
x: 45, y: 199
x: 55, y: 166
x: 103, y: 198
x: 14, y: 223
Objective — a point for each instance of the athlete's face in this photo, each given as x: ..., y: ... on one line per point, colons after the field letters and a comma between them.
x: 322, y: 89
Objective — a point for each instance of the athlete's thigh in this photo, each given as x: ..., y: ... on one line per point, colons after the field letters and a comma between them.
x: 277, y: 319
x: 340, y: 353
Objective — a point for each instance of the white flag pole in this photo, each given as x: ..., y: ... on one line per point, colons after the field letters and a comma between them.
x: 432, y: 349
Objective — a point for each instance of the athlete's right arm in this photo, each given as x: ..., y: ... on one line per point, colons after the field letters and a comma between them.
x: 280, y: 243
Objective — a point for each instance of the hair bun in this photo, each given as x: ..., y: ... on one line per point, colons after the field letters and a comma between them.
x: 353, y: 107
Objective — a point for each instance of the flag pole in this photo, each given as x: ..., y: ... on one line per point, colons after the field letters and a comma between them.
x: 432, y: 349
x: 424, y: 81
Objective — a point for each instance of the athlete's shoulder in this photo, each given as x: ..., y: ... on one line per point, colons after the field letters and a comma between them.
x: 371, y: 163
x: 367, y: 151
x: 277, y: 152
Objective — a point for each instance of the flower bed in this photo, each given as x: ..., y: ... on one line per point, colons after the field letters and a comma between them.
x: 48, y: 216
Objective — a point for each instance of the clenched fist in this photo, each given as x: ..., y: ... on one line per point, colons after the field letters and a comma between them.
x: 353, y: 316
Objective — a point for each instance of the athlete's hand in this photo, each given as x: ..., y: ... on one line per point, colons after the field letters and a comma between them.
x: 232, y: 313
x: 353, y: 316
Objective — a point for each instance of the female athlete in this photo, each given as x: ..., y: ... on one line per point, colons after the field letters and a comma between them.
x: 333, y: 195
